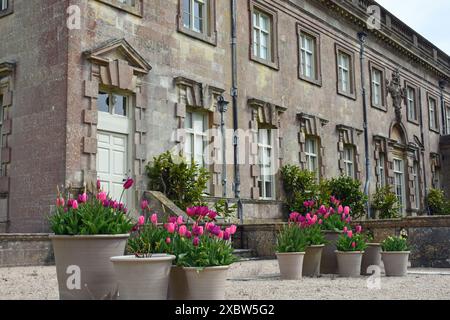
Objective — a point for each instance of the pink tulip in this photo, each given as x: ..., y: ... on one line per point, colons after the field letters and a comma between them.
x: 340, y: 209
x: 233, y: 229
x: 320, y: 221
x: 173, y: 220
x: 294, y: 216
x: 154, y: 219
x: 308, y: 216
x: 212, y: 215
x: 188, y: 234
x: 196, y: 242
x: 182, y: 231
x: 358, y: 229
x: 350, y: 234
x: 144, y: 204
x: 60, y: 202
x: 70, y: 203
x: 220, y: 236
x: 322, y: 209
x: 180, y: 220
x: 347, y: 210
x: 203, y: 211
x: 170, y: 227
x: 83, y: 198
x: 102, y: 196
x: 141, y: 220
x: 197, y: 230
x: 345, y: 229
x: 99, y: 185
x: 128, y: 184
x: 191, y: 212
x: 75, y: 204
x: 326, y: 216
x: 226, y: 236
x: 353, y: 245
x: 168, y: 241
x: 331, y: 211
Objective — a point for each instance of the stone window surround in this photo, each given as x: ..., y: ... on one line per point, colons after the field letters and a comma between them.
x: 274, y: 62
x: 137, y: 9
x: 195, y: 96
x: 268, y: 115
x: 347, y: 50
x: 436, y: 111
x: 302, y: 29
x: 375, y: 66
x: 380, y: 148
x: 349, y: 136
x: 408, y: 84
x: 312, y: 126
x: 210, y: 34
x: 9, y: 10
x: 435, y: 162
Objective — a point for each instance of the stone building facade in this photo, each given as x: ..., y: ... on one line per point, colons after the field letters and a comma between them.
x: 96, y: 88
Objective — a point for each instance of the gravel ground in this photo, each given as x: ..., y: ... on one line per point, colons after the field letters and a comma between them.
x: 260, y: 280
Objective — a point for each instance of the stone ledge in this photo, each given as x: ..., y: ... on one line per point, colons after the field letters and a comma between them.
x: 25, y: 249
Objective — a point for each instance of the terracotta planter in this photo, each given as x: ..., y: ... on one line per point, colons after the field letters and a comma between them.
x: 208, y: 283
x: 371, y: 257
x: 83, y: 265
x: 178, y: 286
x: 291, y: 265
x: 328, y: 264
x: 311, y: 261
x: 349, y: 263
x: 143, y: 278
x: 395, y: 263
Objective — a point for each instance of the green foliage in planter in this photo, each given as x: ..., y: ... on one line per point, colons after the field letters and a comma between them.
x: 299, y: 185
x: 349, y: 241
x: 348, y: 191
x: 315, y: 235
x: 147, y: 240
x: 385, y: 201
x: 395, y: 244
x: 209, y: 252
x: 291, y: 238
x: 182, y: 183
x: 437, y: 203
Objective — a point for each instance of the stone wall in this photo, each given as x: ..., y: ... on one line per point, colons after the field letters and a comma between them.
x: 25, y: 250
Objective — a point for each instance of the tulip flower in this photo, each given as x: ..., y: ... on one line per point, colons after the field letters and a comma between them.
x: 60, y: 202
x: 70, y: 203
x: 347, y: 210
x: 320, y: 221
x: 216, y: 230
x: 212, y: 215
x: 294, y: 216
x: 196, y: 242
x: 141, y: 220
x: 102, y: 196
x: 322, y: 209
x: 180, y: 220
x: 170, y: 227
x: 226, y: 236
x: 331, y: 211
x: 345, y: 229
x: 197, y: 230
x: 168, y: 241
x: 75, y: 204
x: 350, y: 234
x: 191, y: 212
x: 358, y: 229
x: 233, y: 229
x: 203, y: 211
x: 128, y: 184
x: 144, y: 204
x: 326, y: 216
x: 220, y: 236
x: 83, y: 198
x: 173, y: 220
x: 340, y: 209
x: 182, y: 231
x: 188, y: 234
x: 353, y: 245
x: 154, y: 219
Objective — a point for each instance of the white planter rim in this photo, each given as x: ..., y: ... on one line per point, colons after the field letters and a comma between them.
x: 153, y: 258
x: 89, y: 237
x: 374, y: 244
x: 332, y: 232
x: 316, y: 246
x: 206, y: 268
x: 395, y: 252
x: 349, y: 252
x: 291, y: 253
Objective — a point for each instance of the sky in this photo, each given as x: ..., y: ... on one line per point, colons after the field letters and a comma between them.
x: 429, y: 18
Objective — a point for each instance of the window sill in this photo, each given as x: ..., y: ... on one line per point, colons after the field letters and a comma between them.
x: 134, y: 10
x: 6, y: 12
x: 347, y: 95
x: 435, y: 131
x: 273, y: 65
x: 316, y: 82
x: 416, y: 122
x: 381, y: 108
x: 212, y: 39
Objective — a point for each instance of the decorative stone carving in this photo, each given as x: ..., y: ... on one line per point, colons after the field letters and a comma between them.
x: 397, y: 93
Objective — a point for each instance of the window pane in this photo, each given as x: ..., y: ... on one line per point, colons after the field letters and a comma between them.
x: 187, y: 13
x: 120, y: 106
x: 103, y: 102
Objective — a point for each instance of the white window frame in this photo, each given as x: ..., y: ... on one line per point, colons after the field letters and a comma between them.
x: 193, y: 135
x: 349, y: 161
x: 345, y: 72
x: 447, y: 109
x: 193, y: 18
x: 266, y: 165
x: 399, y: 183
x: 432, y: 113
x: 308, y: 53
x: 411, y: 103
x: 381, y: 167
x: 416, y: 184
x: 258, y: 32
x: 377, y: 87
x: 312, y: 155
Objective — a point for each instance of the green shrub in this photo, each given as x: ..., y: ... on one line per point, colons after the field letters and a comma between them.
x: 393, y: 244
x: 437, y: 203
x: 348, y: 191
x: 291, y: 238
x: 299, y: 185
x: 182, y: 183
x: 385, y: 201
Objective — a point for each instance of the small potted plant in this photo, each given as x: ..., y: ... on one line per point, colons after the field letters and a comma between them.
x: 371, y: 256
x: 208, y: 254
x: 395, y: 256
x: 350, y: 248
x: 290, y: 251
x: 88, y: 231
x: 144, y: 275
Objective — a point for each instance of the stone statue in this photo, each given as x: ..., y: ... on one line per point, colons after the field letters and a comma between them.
x: 398, y: 93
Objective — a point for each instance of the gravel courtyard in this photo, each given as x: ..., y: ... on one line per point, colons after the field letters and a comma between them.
x: 259, y: 280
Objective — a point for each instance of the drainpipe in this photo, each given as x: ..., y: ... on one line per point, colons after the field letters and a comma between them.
x: 362, y: 40
x: 422, y: 137
x: 234, y: 95
x: 223, y: 108
x: 442, y: 85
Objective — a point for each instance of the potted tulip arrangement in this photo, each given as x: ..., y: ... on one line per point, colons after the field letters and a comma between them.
x: 290, y: 250
x: 144, y: 275
x: 395, y: 256
x: 350, y: 248
x: 88, y: 230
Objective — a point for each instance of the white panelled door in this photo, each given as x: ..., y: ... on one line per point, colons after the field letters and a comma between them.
x: 112, y: 163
